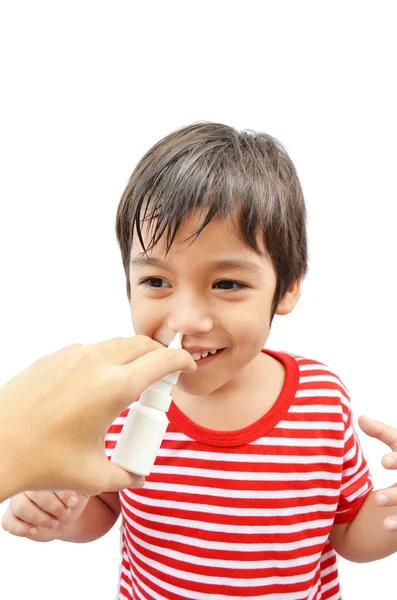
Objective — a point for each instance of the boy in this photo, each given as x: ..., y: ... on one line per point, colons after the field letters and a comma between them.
x: 259, y: 480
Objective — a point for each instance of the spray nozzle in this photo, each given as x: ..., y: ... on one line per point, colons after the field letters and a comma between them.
x: 177, y: 341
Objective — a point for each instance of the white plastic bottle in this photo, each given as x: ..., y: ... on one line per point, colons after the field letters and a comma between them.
x: 146, y: 424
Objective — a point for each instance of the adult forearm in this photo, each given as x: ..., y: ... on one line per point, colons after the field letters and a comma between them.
x: 366, y: 538
x: 96, y: 520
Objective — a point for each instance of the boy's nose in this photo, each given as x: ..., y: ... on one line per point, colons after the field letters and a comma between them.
x: 190, y: 319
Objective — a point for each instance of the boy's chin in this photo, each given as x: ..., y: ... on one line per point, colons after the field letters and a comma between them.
x: 187, y: 385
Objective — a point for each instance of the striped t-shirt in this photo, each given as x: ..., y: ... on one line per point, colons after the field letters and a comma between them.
x: 247, y: 514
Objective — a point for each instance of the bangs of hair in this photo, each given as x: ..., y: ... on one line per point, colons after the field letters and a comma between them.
x: 220, y: 177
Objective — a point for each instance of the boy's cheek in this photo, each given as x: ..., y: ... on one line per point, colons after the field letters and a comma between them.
x: 139, y: 317
x: 248, y: 324
x: 145, y: 324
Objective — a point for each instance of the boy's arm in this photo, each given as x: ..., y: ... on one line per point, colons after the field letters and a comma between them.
x: 365, y: 538
x: 98, y: 517
x: 372, y: 534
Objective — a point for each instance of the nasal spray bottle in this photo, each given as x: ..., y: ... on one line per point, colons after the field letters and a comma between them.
x: 146, y: 424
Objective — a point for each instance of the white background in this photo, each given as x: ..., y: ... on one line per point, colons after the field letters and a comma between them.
x: 87, y: 88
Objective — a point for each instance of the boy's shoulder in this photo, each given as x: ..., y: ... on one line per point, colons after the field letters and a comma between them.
x: 305, y: 363
x: 314, y: 374
x: 318, y: 389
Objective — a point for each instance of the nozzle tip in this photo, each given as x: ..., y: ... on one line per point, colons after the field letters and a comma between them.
x: 177, y: 341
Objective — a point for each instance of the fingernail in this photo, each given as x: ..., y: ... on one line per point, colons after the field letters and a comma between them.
x: 382, y: 499
x: 72, y: 501
x: 389, y: 461
x: 139, y: 482
x: 54, y: 524
x: 391, y: 525
x: 33, y: 530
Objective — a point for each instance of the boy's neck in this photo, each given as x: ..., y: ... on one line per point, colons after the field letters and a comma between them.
x: 244, y: 400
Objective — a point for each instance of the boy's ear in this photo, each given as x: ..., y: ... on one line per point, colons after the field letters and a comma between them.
x: 290, y: 298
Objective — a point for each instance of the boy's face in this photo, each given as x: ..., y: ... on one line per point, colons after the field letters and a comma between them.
x: 216, y: 291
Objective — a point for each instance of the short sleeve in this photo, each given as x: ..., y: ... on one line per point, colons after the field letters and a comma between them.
x: 356, y: 481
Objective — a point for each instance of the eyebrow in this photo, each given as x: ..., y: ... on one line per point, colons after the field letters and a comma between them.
x: 241, y: 264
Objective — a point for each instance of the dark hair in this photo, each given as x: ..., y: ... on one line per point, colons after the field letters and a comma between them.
x: 221, y: 172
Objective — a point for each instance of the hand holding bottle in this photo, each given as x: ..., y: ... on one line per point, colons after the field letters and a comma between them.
x: 147, y: 422
x: 56, y: 413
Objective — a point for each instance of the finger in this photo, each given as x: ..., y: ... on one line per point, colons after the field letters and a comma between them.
x: 389, y: 461
x: 108, y: 477
x: 119, y: 479
x: 150, y: 368
x: 381, y: 431
x: 387, y: 497
x: 390, y: 523
x: 122, y: 351
x: 156, y: 364
x: 11, y: 523
x: 68, y: 498
x: 127, y: 382
x: 53, y: 503
x: 25, y: 510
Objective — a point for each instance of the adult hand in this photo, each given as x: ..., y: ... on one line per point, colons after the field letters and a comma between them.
x: 387, y: 435
x: 55, y: 414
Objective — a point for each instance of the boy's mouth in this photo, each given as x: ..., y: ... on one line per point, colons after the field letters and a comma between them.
x: 206, y: 356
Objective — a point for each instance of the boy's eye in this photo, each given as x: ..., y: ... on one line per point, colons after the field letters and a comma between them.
x: 228, y: 285
x: 154, y: 282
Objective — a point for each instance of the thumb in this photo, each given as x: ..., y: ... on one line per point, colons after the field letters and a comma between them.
x: 119, y: 479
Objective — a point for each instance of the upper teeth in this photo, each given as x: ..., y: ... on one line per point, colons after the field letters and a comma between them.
x: 198, y: 355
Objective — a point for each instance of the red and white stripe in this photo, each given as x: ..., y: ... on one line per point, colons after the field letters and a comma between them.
x: 247, y: 519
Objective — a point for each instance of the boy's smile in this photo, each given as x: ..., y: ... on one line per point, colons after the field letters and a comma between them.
x: 202, y: 356
x: 215, y: 290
